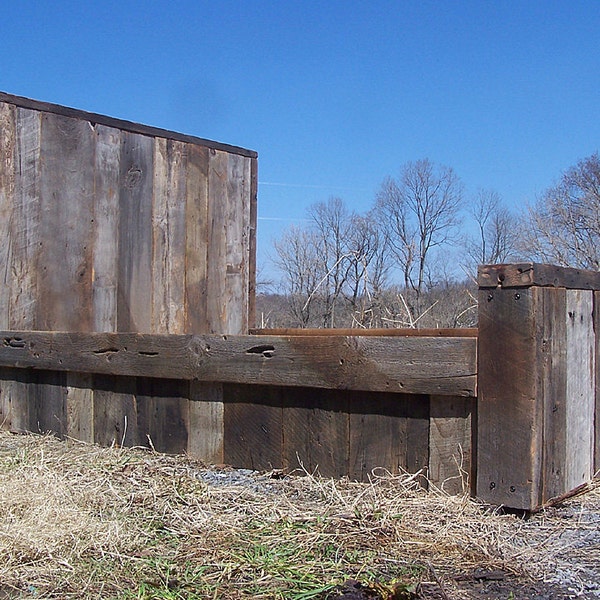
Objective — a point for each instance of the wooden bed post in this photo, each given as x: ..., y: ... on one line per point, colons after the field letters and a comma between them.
x: 537, y: 390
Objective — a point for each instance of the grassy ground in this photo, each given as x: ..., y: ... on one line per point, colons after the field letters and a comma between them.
x: 78, y: 521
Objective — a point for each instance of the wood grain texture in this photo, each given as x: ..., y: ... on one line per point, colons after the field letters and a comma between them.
x: 116, y: 412
x: 15, y: 407
x: 26, y: 240
x: 253, y: 426
x: 80, y: 407
x: 134, y: 309
x: 169, y: 243
x: 8, y: 135
x: 597, y: 390
x: 553, y: 379
x: 66, y: 205
x: 542, y: 275
x: 105, y: 281
x: 407, y: 365
x: 252, y: 243
x: 48, y: 399
x: 316, y: 429
x: 196, y: 255
x: 378, y: 433
x: 136, y: 128
x: 580, y: 401
x: 206, y: 422
x: 510, y: 410
x: 162, y: 406
x: 376, y: 332
x: 451, y: 443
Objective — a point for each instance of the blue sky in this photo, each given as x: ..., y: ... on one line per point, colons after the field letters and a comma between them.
x: 334, y: 96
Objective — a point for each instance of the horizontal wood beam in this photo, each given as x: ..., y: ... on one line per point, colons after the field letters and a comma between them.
x: 535, y: 274
x: 379, y: 332
x: 419, y: 365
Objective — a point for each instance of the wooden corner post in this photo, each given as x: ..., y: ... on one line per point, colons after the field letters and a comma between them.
x: 537, y: 391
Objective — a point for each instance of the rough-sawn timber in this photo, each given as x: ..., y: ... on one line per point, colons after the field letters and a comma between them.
x: 419, y: 365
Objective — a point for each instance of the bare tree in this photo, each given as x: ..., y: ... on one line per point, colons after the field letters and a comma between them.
x: 333, y: 267
x: 564, y: 224
x: 420, y: 211
x: 497, y: 229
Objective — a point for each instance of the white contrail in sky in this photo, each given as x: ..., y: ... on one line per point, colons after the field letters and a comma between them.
x: 307, y: 185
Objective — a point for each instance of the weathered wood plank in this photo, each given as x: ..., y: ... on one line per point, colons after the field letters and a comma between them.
x: 25, y: 238
x: 542, y: 275
x: 206, y: 422
x: 115, y: 412
x: 252, y: 243
x: 7, y: 200
x: 162, y: 406
x: 217, y: 244
x: 237, y: 244
x: 253, y: 425
x: 580, y: 342
x: 66, y: 197
x: 316, y: 431
x: 168, y: 229
x: 377, y: 332
x: 378, y: 433
x: 135, y: 128
x: 15, y: 386
x: 48, y: 397
x: 443, y: 366
x: 196, y: 241
x: 134, y: 309
x: 597, y: 390
x: 106, y: 228
x: 553, y: 379
x: 510, y: 411
x: 450, y: 443
x: 80, y: 406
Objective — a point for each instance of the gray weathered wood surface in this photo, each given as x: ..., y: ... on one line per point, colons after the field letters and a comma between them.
x: 108, y: 226
x: 418, y: 365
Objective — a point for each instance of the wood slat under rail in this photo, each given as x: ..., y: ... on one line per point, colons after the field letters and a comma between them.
x: 418, y: 365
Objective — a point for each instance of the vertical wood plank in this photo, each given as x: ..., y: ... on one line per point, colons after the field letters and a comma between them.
x: 553, y: 379
x: 163, y: 408
x: 196, y: 240
x: 252, y: 243
x: 253, y: 426
x: 48, y: 404
x: 237, y: 243
x: 510, y: 411
x: 106, y: 228
x: 25, y: 238
x: 134, y: 299
x: 206, y: 422
x: 169, y: 229
x: 450, y: 443
x: 378, y: 433
x: 580, y: 342
x: 67, y: 191
x: 316, y: 430
x: 80, y: 406
x: 15, y: 386
x: 217, y: 243
x: 7, y: 201
x: 597, y: 386
x: 115, y: 411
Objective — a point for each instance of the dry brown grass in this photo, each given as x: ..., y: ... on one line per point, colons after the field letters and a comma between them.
x: 79, y: 521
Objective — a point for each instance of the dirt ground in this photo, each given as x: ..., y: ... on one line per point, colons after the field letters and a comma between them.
x: 78, y: 521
